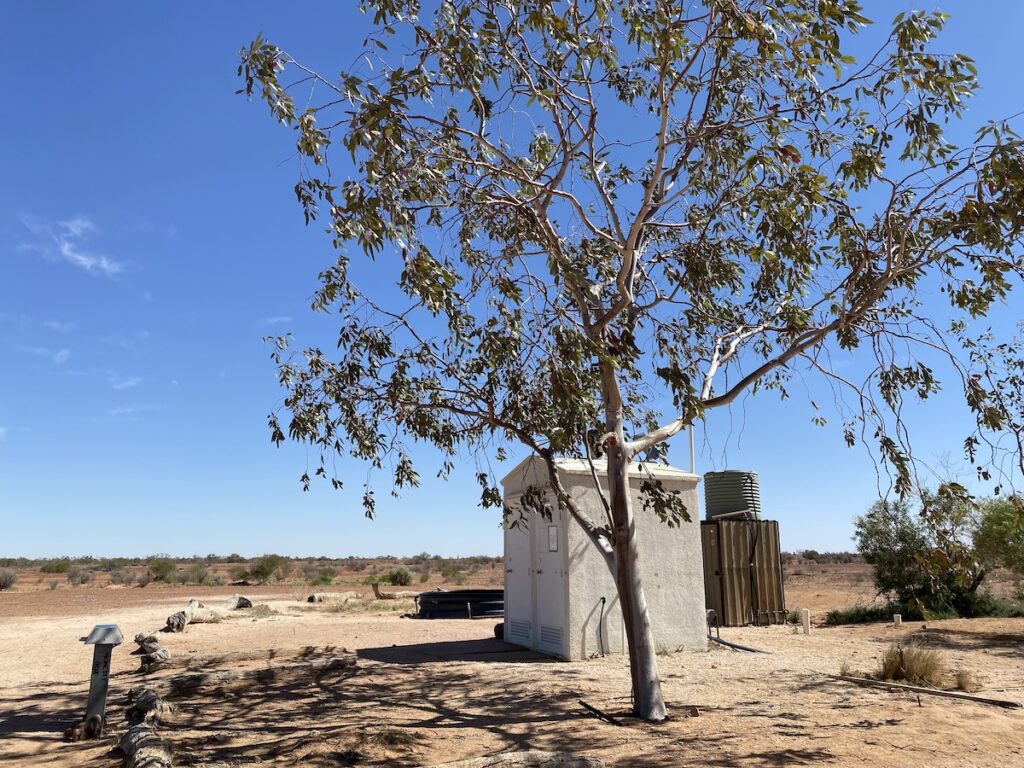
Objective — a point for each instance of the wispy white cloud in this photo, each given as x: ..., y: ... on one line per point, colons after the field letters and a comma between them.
x: 63, y: 240
x: 25, y: 321
x: 55, y: 356
x: 276, y: 320
x: 135, y: 410
x: 128, y: 383
x: 132, y: 342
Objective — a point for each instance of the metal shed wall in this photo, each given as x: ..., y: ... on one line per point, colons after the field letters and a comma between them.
x: 743, y: 571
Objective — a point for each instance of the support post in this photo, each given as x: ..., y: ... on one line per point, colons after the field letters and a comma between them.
x: 104, y: 638
x: 897, y: 620
x: 807, y: 620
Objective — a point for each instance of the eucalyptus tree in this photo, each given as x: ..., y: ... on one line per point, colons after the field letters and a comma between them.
x: 609, y: 217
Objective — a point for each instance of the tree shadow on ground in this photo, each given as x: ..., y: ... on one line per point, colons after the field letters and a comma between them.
x: 32, y: 725
x: 1001, y: 643
x: 484, y: 650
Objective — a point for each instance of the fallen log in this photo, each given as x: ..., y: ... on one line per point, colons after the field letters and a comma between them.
x: 150, y: 662
x: 193, y: 613
x: 324, y: 597
x: 152, y: 654
x: 237, y: 602
x: 143, y: 748
x: 1005, y: 703
x: 146, y: 706
x: 380, y: 595
x: 531, y: 759
x: 176, y: 622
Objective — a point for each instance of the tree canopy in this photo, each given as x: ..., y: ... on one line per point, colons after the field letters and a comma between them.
x: 700, y: 195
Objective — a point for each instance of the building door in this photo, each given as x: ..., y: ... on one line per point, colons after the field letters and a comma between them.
x: 519, y: 619
x: 549, y: 557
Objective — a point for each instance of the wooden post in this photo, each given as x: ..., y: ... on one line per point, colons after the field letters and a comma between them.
x: 807, y: 620
x: 897, y: 620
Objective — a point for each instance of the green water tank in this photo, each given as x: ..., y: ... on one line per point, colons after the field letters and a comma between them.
x: 729, y: 492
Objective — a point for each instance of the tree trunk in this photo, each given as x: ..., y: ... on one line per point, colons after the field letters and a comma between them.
x: 648, y: 703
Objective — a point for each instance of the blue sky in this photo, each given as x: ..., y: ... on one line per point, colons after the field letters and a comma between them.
x: 149, y: 238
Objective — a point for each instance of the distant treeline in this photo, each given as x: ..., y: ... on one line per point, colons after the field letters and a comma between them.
x: 351, y: 562
x: 217, y: 570
x: 813, y: 556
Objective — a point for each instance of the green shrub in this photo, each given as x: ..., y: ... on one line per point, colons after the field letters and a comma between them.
x: 240, y: 574
x: 122, y: 576
x: 144, y: 578
x: 399, y: 577
x: 198, y: 573
x: 162, y: 567
x: 78, y: 576
x: 863, y: 614
x: 449, y: 571
x: 8, y: 578
x: 56, y: 566
x: 270, y: 567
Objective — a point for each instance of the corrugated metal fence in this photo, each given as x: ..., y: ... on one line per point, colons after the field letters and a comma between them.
x: 743, y: 571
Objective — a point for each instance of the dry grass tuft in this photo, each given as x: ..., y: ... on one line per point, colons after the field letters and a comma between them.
x: 394, y: 738
x: 845, y: 670
x: 261, y: 611
x: 912, y: 663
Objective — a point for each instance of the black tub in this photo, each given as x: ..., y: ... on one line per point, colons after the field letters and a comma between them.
x: 461, y: 604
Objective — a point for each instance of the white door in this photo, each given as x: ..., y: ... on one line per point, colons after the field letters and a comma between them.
x: 518, y: 586
x: 548, y: 538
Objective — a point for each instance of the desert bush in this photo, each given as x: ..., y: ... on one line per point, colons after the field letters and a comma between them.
x: 271, y: 567
x: 318, y: 575
x: 449, y: 571
x: 424, y: 571
x: 215, y: 580
x: 79, y: 576
x: 811, y: 554
x: 54, y: 584
x: 144, y: 578
x: 122, y: 576
x: 865, y: 614
x: 999, y: 536
x: 162, y: 567
x: 399, y: 577
x: 56, y: 566
x: 198, y: 573
x: 240, y: 574
x: 912, y: 663
x: 8, y: 578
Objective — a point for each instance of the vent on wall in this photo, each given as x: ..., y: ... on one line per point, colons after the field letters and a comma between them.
x: 551, y: 636
x: 519, y: 630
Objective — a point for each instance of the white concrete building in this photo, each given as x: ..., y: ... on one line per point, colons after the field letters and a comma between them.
x: 559, y: 593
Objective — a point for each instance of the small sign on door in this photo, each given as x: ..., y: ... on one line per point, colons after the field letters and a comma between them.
x: 552, y: 538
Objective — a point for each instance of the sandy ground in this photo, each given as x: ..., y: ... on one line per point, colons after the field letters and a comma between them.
x: 425, y: 692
